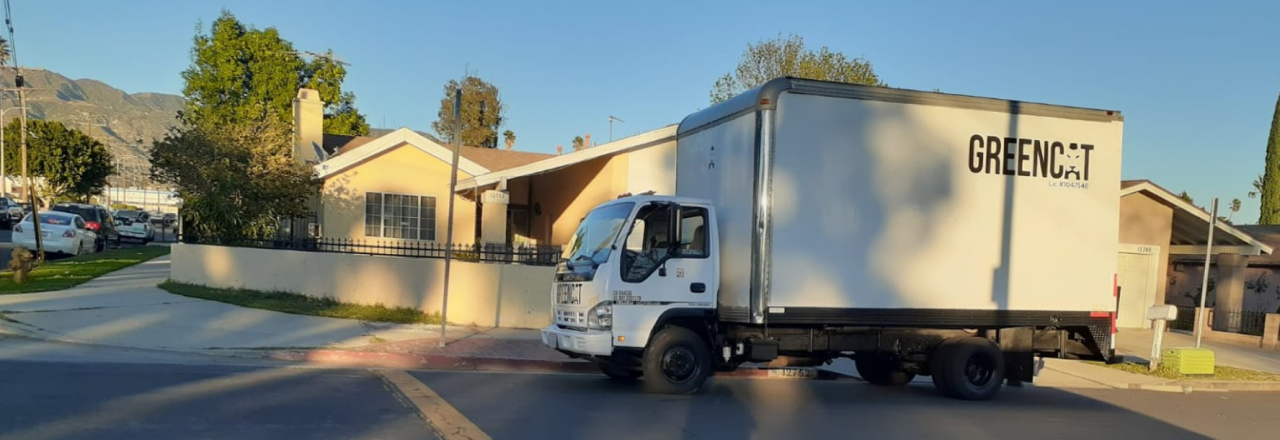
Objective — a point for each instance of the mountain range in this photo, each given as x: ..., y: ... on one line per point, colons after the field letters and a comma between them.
x: 124, y: 122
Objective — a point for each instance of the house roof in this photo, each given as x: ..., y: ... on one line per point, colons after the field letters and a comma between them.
x: 1268, y: 234
x: 1191, y: 224
x: 553, y: 163
x: 498, y: 160
x: 351, y: 156
x: 335, y: 144
x: 491, y: 159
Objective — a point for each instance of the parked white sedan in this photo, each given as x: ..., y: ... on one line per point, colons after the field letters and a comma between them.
x: 61, y: 233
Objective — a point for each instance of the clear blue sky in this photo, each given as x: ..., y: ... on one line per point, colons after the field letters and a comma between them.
x: 1197, y: 81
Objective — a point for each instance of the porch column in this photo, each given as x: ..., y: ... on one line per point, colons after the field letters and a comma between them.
x: 494, y: 217
x: 1230, y: 288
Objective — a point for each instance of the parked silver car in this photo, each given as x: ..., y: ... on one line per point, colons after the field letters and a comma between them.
x: 10, y: 212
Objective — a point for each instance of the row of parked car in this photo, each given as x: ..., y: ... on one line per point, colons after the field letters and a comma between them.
x: 77, y: 228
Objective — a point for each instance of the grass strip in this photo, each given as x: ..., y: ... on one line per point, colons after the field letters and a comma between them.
x: 74, y: 271
x: 302, y: 305
x: 1220, y: 373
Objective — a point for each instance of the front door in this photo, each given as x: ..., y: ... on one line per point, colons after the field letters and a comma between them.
x: 666, y: 258
x: 1136, y: 276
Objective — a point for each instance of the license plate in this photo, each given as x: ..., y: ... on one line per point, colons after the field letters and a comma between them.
x: 569, y: 294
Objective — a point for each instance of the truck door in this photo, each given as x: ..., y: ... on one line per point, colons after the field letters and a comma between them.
x: 667, y: 258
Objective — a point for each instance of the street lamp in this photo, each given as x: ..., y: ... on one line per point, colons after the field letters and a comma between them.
x: 4, y: 175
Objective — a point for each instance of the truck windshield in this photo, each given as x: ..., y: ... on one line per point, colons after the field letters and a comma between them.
x: 590, y: 244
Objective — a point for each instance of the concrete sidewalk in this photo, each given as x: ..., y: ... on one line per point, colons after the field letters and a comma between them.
x: 1137, y: 342
x: 126, y: 309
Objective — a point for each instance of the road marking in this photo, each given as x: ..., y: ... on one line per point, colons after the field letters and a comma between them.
x: 446, y: 419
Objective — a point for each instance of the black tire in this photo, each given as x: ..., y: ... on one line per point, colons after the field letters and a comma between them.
x: 676, y: 362
x: 619, y: 374
x: 972, y: 368
x: 938, y: 364
x: 882, y: 370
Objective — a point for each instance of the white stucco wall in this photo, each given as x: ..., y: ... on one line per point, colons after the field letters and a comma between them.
x: 484, y: 294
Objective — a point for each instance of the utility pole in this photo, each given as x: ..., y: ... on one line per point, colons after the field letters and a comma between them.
x: 1204, y: 286
x: 453, y: 185
x: 26, y: 178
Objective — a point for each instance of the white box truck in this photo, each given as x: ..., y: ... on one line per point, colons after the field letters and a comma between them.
x: 917, y: 233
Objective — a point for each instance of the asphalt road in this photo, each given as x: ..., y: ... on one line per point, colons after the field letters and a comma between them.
x: 55, y: 391
x: 72, y: 399
x: 528, y: 406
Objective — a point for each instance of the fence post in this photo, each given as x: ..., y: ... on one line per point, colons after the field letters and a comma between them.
x: 1206, y: 327
x: 1271, y: 331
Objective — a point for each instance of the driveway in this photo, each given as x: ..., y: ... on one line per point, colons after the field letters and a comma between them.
x: 1137, y: 342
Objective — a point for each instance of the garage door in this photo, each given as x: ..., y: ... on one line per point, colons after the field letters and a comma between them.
x: 1136, y: 277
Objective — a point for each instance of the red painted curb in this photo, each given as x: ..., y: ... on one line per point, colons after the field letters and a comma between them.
x: 372, y: 359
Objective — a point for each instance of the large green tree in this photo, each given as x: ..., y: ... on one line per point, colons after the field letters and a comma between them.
x: 74, y: 166
x: 235, y: 180
x: 239, y: 73
x: 788, y: 56
x: 482, y: 113
x: 230, y: 158
x: 1269, y: 190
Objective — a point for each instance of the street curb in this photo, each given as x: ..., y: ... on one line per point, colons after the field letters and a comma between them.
x: 1184, y: 387
x: 436, y: 362
x: 433, y: 362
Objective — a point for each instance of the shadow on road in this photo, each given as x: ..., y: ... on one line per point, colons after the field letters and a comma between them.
x: 586, y: 407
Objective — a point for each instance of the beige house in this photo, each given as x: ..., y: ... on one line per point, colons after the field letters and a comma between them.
x: 1158, y: 230
x: 543, y: 201
x: 394, y: 187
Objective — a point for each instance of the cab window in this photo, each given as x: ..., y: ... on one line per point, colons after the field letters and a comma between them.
x: 693, y: 232
x: 647, y: 242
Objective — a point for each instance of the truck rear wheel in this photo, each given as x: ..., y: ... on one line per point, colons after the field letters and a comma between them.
x: 676, y: 362
x: 882, y: 370
x: 969, y: 368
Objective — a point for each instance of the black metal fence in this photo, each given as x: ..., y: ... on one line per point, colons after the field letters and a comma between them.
x: 484, y: 253
x: 1238, y: 321
x: 1186, y: 319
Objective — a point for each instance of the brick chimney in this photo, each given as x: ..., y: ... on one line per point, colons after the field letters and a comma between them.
x: 586, y: 143
x: 308, y: 127
x: 559, y: 150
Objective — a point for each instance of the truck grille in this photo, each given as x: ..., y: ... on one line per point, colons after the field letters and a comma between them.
x: 571, y: 318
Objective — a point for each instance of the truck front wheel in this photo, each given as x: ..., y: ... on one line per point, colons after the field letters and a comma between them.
x: 969, y: 368
x: 676, y: 362
x: 881, y: 370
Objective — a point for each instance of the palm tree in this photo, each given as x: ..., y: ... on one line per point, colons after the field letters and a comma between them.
x: 1235, y: 207
x: 510, y: 137
x: 577, y: 143
x: 4, y: 52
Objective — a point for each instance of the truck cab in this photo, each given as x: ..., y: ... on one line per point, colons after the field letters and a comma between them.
x: 633, y: 265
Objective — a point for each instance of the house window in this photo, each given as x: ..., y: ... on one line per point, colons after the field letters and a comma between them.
x: 401, y: 216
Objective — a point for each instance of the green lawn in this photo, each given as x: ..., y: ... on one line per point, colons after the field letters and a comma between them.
x: 1220, y: 373
x: 71, y: 272
x: 302, y: 305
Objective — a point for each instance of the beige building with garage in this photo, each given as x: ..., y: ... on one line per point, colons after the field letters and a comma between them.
x: 1158, y: 229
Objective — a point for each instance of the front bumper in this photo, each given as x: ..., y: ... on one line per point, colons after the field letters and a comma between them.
x: 134, y: 233
x: 589, y: 342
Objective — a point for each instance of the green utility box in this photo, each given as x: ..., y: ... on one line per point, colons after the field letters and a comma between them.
x: 1188, y: 360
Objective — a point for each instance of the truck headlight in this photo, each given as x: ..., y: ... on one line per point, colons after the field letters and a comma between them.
x: 600, y: 317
